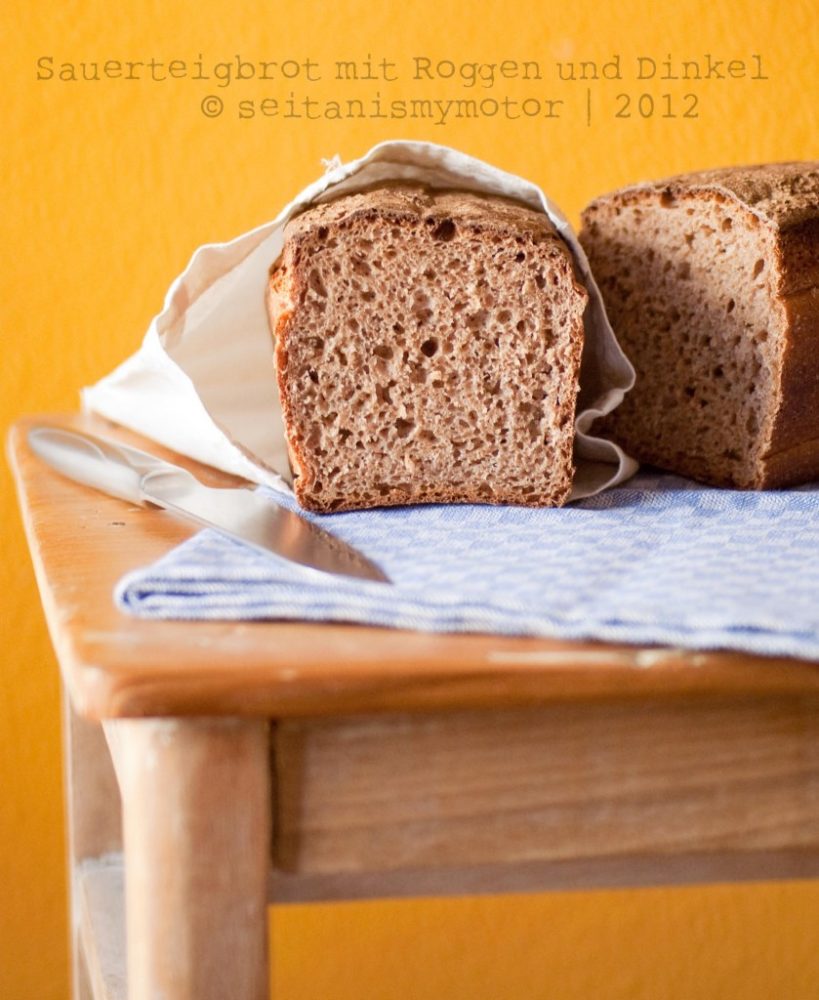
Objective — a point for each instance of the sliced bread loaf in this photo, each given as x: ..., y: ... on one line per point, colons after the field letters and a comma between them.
x: 711, y: 282
x: 427, y: 348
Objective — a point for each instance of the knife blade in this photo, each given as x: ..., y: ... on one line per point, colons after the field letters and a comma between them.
x: 238, y: 512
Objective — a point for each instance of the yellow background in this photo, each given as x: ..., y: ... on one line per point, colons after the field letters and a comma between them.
x: 108, y: 187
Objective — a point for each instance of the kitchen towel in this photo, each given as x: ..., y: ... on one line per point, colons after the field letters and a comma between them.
x: 658, y: 560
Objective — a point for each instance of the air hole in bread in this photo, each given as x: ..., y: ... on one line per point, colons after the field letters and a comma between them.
x: 316, y: 283
x: 444, y: 231
x: 477, y: 320
x: 421, y: 307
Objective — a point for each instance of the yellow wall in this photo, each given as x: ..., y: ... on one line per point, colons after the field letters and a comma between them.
x: 106, y: 189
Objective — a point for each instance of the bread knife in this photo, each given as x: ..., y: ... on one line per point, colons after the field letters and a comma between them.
x: 238, y: 512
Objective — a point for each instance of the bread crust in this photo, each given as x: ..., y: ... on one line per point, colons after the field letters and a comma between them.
x: 783, y: 198
x: 784, y: 195
x: 401, y: 203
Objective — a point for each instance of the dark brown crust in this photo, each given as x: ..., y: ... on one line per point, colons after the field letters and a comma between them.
x: 283, y: 291
x: 784, y: 197
x: 414, y: 201
x: 793, y: 456
x: 279, y: 310
x: 494, y: 215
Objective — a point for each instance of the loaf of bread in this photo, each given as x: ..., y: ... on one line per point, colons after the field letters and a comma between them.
x: 711, y: 282
x: 427, y: 349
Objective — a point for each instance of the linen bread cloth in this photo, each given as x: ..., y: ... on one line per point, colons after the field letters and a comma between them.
x: 657, y: 560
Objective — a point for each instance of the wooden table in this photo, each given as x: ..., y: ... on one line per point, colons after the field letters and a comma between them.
x: 284, y: 761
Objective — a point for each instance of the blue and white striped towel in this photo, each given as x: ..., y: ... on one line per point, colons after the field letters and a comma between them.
x: 660, y: 560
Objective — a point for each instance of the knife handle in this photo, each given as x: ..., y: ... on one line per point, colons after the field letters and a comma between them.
x: 87, y: 461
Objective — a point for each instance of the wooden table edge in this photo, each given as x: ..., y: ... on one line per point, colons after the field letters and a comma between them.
x: 128, y: 667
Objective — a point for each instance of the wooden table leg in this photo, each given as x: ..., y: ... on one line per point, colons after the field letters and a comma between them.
x: 93, y: 815
x: 196, y: 823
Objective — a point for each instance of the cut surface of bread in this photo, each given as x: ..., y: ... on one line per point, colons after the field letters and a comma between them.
x: 710, y: 282
x: 427, y: 349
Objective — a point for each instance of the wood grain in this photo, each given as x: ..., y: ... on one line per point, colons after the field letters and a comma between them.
x: 629, y: 871
x: 196, y: 819
x: 565, y: 783
x: 82, y: 542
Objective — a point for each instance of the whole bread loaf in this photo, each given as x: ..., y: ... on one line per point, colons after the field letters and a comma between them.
x: 711, y: 282
x: 427, y: 348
